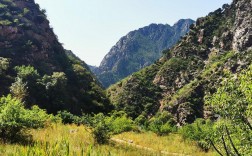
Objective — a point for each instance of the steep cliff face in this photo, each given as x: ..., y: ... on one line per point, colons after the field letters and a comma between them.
x: 139, y: 49
x: 192, y: 69
x: 27, y: 40
x: 242, y: 27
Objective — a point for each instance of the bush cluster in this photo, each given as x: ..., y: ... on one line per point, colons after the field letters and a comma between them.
x: 16, y: 120
x: 200, y: 131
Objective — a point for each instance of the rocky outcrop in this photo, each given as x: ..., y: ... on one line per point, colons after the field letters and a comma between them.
x: 243, y: 25
x: 139, y: 49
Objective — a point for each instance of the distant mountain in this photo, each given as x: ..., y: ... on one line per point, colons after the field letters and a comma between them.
x: 32, y: 60
x: 139, y: 49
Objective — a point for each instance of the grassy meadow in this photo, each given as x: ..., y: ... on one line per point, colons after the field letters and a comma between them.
x: 72, y: 140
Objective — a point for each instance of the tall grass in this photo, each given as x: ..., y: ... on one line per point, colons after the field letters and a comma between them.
x: 173, y: 143
x: 72, y: 140
x: 67, y: 140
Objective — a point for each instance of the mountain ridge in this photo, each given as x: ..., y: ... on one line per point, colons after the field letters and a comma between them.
x: 138, y: 49
x: 180, y: 81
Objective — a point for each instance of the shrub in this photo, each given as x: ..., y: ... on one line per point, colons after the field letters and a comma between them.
x: 141, y: 121
x: 15, y: 120
x: 68, y: 118
x: 162, y: 123
x: 100, y: 129
x: 119, y: 122
x: 4, y: 64
x: 200, y: 131
x: 101, y: 133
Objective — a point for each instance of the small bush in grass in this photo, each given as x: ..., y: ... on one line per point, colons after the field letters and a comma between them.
x: 162, y: 123
x: 104, y: 126
x: 68, y: 118
x: 141, y: 121
x: 201, y: 130
x: 101, y: 131
x: 119, y: 122
x: 15, y: 120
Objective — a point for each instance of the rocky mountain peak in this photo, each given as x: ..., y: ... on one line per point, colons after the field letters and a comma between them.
x: 139, y: 49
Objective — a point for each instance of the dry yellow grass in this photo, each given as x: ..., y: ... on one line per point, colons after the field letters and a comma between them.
x: 72, y: 140
x: 64, y: 140
x: 172, y: 143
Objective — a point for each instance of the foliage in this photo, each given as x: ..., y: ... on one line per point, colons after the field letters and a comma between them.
x: 4, y: 64
x: 141, y: 121
x: 162, y: 123
x: 27, y: 73
x: 118, y: 122
x: 15, y: 120
x: 18, y: 89
x: 232, y: 102
x: 201, y: 131
x: 67, y: 117
x: 101, y: 133
x: 5, y: 22
x: 58, y: 79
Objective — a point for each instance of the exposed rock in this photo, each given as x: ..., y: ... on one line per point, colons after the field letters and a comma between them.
x: 195, y: 66
x: 201, y: 36
x: 185, y: 114
x: 139, y: 49
x: 243, y: 25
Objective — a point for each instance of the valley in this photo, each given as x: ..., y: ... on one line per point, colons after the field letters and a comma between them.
x: 161, y: 90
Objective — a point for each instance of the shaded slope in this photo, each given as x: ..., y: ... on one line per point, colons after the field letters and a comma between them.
x: 27, y: 39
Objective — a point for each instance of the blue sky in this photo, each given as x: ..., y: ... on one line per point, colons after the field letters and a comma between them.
x: 91, y: 27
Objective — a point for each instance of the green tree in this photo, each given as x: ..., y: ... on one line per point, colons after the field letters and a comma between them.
x: 30, y: 77
x: 55, y: 91
x: 233, y: 102
x: 19, y: 89
x: 4, y: 64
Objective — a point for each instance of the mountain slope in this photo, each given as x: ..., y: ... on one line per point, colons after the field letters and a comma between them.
x: 139, y: 49
x: 181, y: 80
x: 54, y: 78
